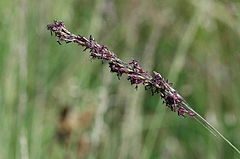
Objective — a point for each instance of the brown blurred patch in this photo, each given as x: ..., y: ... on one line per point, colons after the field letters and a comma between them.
x: 77, y: 122
x: 83, y: 146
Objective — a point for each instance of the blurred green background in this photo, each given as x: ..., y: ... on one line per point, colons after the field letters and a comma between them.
x: 55, y: 103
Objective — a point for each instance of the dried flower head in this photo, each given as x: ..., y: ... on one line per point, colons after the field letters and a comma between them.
x: 136, y: 74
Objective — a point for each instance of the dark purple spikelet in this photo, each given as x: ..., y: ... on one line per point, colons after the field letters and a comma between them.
x: 136, y: 74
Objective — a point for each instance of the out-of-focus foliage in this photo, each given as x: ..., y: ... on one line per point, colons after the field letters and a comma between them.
x: 55, y: 103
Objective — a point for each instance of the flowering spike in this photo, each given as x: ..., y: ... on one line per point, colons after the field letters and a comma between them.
x: 136, y: 74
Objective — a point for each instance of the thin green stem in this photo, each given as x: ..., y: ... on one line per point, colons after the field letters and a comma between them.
x: 211, y: 128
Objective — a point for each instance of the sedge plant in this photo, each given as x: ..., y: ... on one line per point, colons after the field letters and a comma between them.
x: 136, y: 75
